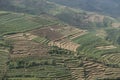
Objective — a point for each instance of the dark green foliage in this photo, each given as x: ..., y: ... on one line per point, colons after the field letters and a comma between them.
x: 113, y: 36
x: 35, y: 67
x: 56, y: 50
x: 89, y: 42
x: 26, y: 62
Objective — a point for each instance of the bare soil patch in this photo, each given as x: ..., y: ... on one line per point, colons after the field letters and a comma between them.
x: 58, y: 32
x: 96, y: 70
x: 94, y: 18
x: 23, y: 48
x: 72, y: 32
x: 48, y: 33
x: 21, y: 36
x: 65, y: 44
x: 116, y: 25
x: 60, y: 36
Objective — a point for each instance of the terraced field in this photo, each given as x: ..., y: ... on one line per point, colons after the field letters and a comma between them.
x: 53, y: 36
x: 41, y: 40
x: 37, y: 66
x: 30, y: 60
x: 60, y: 36
x: 23, y: 45
x: 42, y: 69
x: 78, y: 73
x: 20, y: 36
x: 3, y: 60
x: 111, y: 59
x: 47, y: 32
x: 88, y: 69
x: 99, y: 71
x: 27, y: 62
x: 43, y: 72
x: 65, y: 44
x: 61, y: 65
x: 72, y: 32
x: 97, y: 47
x: 30, y: 56
x: 27, y: 48
x: 19, y: 22
x: 59, y: 32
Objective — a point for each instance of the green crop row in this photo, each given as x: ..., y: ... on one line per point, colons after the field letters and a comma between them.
x: 14, y: 22
x: 89, y: 44
x: 41, y: 40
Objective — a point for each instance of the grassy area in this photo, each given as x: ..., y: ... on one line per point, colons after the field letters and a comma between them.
x: 18, y: 22
x: 3, y: 61
x: 90, y: 41
x: 36, y: 68
x: 113, y: 35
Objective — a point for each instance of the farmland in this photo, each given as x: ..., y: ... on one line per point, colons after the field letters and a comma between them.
x: 41, y: 40
x: 60, y: 36
x: 11, y: 22
x: 37, y: 58
x: 70, y: 54
x: 111, y: 59
x: 4, y: 59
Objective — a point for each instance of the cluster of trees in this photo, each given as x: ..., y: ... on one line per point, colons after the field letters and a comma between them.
x: 4, y: 43
x: 113, y: 36
x: 57, y: 50
x: 113, y: 65
x: 26, y: 64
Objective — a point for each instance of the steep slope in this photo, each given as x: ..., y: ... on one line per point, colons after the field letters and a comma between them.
x: 68, y: 15
x: 109, y: 7
x: 19, y: 22
x: 38, y: 46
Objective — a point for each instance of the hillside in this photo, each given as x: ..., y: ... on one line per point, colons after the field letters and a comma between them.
x: 43, y: 40
x: 19, y: 22
x: 107, y: 7
x: 68, y: 15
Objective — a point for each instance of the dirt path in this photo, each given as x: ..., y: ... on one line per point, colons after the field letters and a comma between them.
x: 106, y: 47
x: 21, y: 36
